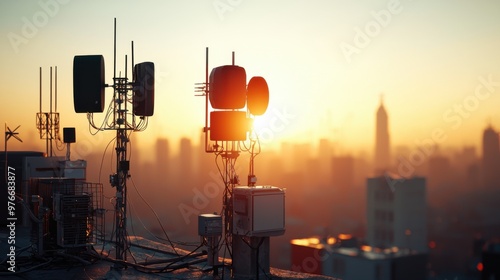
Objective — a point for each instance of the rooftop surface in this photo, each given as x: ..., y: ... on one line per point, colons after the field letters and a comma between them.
x: 147, y: 259
x: 336, y: 245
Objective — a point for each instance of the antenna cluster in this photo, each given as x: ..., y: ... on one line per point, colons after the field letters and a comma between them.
x: 251, y: 214
x: 228, y: 93
x: 131, y: 98
x: 89, y: 88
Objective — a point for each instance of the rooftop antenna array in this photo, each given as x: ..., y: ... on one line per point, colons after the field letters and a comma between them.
x: 132, y: 98
x: 228, y: 127
x: 47, y: 123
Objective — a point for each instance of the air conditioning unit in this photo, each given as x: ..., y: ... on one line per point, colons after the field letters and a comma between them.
x: 258, y: 211
x: 72, y: 214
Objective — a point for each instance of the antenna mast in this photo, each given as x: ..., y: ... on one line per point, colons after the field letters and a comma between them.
x: 47, y: 123
x: 229, y: 125
x: 88, y: 87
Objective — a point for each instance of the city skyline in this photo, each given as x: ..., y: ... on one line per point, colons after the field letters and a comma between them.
x: 336, y: 183
x: 390, y: 155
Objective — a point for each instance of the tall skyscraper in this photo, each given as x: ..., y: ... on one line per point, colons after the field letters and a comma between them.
x: 440, y: 181
x: 382, y: 145
x: 162, y: 154
x: 343, y: 177
x: 186, y: 156
x: 491, y: 158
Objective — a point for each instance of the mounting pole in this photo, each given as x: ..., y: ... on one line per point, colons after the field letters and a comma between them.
x: 205, y: 129
x: 49, y: 132
x: 122, y: 164
x: 122, y: 168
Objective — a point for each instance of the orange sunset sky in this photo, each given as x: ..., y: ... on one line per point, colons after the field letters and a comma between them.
x: 437, y: 63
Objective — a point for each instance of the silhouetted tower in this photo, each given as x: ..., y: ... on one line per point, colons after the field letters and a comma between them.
x: 186, y: 159
x: 343, y: 178
x: 382, y: 150
x: 439, y: 178
x: 162, y: 155
x: 491, y: 158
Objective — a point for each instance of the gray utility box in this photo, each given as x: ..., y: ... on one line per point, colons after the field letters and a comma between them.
x: 209, y: 225
x: 258, y: 211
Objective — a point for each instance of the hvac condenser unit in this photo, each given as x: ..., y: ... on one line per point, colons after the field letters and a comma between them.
x: 72, y: 214
x: 258, y: 211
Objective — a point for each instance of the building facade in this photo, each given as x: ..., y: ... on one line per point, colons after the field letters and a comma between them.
x: 396, y: 213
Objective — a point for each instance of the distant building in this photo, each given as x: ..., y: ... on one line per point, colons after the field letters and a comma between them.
x: 186, y: 156
x: 396, y: 213
x: 342, y: 171
x: 162, y: 155
x: 382, y: 142
x: 491, y: 158
x: 342, y: 257
x: 490, y: 265
x: 439, y: 179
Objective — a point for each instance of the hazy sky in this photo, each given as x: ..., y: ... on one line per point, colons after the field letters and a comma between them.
x: 437, y: 63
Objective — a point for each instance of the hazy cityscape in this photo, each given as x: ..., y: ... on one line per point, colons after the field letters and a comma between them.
x: 376, y: 121
x: 326, y: 192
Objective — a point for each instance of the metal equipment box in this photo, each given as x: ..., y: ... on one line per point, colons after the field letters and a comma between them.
x: 209, y: 225
x: 258, y: 211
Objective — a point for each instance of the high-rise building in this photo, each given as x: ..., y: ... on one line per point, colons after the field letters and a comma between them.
x: 396, y: 213
x: 162, y: 154
x: 440, y: 180
x: 343, y: 177
x: 491, y: 158
x: 382, y: 143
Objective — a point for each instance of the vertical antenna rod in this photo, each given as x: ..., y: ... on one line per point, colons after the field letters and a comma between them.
x: 50, y: 124
x: 114, y: 50
x: 206, y: 100
x: 40, y: 90
x: 55, y: 90
x: 133, y: 77
x: 50, y: 90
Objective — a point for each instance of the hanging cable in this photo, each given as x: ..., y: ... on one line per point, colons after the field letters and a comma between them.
x: 156, y: 216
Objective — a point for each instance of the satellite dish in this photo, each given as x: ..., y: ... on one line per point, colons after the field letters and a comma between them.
x: 257, y: 96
